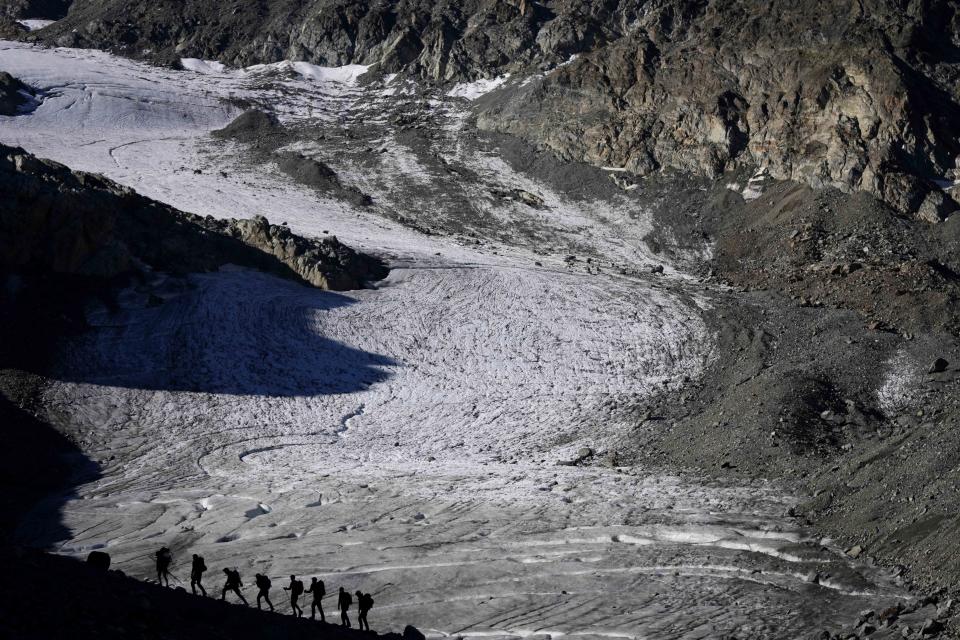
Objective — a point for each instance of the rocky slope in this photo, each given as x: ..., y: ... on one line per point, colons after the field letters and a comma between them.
x: 70, y: 223
x: 836, y: 322
x: 861, y: 96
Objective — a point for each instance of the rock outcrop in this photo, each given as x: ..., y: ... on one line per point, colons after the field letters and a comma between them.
x: 43, y: 9
x: 14, y: 95
x: 862, y: 96
x: 826, y: 95
x: 54, y: 220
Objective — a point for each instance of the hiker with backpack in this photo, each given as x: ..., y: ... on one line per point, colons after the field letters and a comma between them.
x: 164, y: 560
x: 263, y: 589
x: 233, y: 584
x: 295, y: 589
x: 364, y: 604
x: 343, y: 603
x: 318, y: 590
x: 196, y: 575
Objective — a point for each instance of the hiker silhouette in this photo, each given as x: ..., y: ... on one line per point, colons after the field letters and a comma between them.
x: 295, y: 589
x: 263, y: 590
x: 233, y: 584
x: 318, y: 590
x: 343, y: 603
x: 164, y: 560
x: 364, y: 604
x: 196, y: 575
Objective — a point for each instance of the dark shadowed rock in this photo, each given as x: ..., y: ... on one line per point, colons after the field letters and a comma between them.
x: 410, y: 632
x: 53, y: 220
x: 99, y: 560
x: 14, y: 95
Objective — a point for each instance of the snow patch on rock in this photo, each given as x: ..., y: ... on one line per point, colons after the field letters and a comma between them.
x: 477, y: 88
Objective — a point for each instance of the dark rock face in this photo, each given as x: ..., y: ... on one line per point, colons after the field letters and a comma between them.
x: 53, y: 220
x: 860, y: 96
x: 14, y: 95
x: 827, y: 95
x: 43, y: 9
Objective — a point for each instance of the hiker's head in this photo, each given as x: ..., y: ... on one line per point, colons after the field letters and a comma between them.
x: 313, y: 580
x: 358, y: 593
x: 292, y: 577
x: 195, y: 556
x: 226, y: 571
x: 341, y: 589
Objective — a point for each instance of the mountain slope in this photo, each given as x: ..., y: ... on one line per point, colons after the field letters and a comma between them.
x: 53, y: 220
x: 861, y: 96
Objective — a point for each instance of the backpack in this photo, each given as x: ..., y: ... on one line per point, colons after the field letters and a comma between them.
x: 233, y: 577
x: 347, y: 599
x: 296, y: 587
x: 263, y: 582
x: 367, y: 601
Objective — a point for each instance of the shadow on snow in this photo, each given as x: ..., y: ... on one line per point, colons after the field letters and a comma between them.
x: 235, y: 332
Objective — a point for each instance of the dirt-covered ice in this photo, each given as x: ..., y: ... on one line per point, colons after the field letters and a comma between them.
x: 404, y: 439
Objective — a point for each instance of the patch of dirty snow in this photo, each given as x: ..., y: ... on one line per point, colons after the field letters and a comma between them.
x: 203, y: 66
x: 477, y: 88
x: 901, y: 383
x: 35, y: 24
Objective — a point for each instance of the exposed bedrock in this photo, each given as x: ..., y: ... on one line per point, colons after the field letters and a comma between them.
x: 43, y: 9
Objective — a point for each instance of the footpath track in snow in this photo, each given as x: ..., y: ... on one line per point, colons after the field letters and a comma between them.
x: 403, y: 439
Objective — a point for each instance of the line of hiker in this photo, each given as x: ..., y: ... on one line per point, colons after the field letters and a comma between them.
x: 233, y: 583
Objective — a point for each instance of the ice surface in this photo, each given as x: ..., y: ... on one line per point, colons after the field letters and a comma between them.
x: 404, y: 439
x: 477, y: 88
